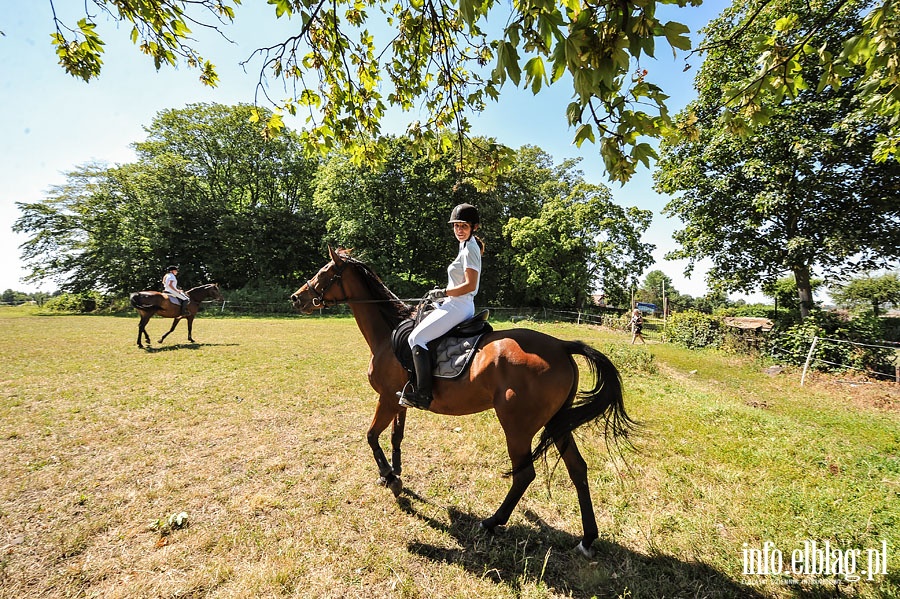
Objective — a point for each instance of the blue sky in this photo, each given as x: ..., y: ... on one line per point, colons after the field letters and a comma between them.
x: 53, y: 122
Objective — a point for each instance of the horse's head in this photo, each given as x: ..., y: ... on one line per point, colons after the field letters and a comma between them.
x: 325, y: 288
x: 208, y: 292
x: 215, y: 293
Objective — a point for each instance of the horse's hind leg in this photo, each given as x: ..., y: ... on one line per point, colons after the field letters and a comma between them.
x: 142, y: 328
x: 174, y: 324
x: 577, y: 468
x: 383, y: 417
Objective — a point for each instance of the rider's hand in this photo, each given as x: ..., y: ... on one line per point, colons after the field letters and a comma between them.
x: 436, y: 294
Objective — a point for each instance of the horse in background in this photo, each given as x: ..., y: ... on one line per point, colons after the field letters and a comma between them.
x: 155, y: 303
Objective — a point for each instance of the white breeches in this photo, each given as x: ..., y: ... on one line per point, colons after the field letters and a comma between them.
x: 450, y: 313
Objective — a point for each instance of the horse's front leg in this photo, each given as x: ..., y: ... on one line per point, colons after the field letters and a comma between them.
x: 385, y: 413
x: 190, y: 321
x: 174, y: 324
x: 397, y: 429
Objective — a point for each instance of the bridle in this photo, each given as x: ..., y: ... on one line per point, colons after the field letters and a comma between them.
x: 320, y: 301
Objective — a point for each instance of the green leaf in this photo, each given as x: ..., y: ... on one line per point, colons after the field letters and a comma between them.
x: 534, y: 73
x: 282, y: 7
x: 676, y: 35
x: 584, y: 132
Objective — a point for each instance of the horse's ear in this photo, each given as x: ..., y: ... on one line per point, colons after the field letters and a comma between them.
x: 336, y: 257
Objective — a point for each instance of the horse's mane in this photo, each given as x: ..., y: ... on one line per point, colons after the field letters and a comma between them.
x: 392, y: 309
x: 200, y: 290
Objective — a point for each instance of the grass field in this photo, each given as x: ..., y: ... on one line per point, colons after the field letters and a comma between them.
x: 256, y: 434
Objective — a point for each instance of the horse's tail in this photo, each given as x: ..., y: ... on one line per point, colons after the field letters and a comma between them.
x: 138, y: 305
x: 604, y: 400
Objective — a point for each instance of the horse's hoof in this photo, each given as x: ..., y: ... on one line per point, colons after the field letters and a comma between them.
x: 487, y: 526
x: 394, y: 484
x: 585, y: 551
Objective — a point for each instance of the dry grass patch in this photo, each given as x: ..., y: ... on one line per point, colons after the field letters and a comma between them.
x: 257, y: 434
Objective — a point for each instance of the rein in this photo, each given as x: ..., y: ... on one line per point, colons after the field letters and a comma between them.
x: 321, y: 302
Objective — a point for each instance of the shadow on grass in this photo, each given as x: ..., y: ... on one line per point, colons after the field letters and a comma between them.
x: 181, y: 346
x: 521, y: 556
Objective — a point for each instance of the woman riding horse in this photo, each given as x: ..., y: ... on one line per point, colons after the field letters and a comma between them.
x: 454, y: 304
x: 153, y: 303
x: 528, y: 378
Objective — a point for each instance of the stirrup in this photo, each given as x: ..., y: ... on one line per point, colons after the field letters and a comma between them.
x: 415, y: 402
x: 410, y: 398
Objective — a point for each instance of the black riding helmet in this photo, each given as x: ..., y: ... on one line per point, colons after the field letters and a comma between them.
x: 465, y: 213
x: 171, y: 268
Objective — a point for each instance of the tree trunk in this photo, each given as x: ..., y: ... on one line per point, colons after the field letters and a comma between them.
x: 804, y: 290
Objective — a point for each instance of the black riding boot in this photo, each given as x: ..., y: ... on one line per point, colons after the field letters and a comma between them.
x: 421, y: 397
x: 184, y: 306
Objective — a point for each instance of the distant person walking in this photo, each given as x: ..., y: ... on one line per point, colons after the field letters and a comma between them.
x: 637, y: 325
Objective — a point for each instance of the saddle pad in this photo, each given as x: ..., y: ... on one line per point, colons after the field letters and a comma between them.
x: 453, y: 354
x: 450, y: 355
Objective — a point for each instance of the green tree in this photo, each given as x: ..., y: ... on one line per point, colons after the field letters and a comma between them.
x: 784, y: 291
x: 550, y: 237
x: 709, y: 303
x: 651, y: 290
x: 206, y: 193
x: 393, y: 215
x: 349, y: 61
x: 578, y: 242
x: 89, y: 233
x: 805, y: 196
x: 783, y: 39
x: 870, y: 291
x: 254, y: 220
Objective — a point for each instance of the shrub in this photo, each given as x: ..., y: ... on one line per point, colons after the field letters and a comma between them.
x: 75, y: 302
x: 617, y: 322
x: 792, y: 343
x: 694, y: 329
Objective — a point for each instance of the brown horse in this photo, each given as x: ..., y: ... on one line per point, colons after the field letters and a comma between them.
x: 530, y: 380
x: 155, y: 303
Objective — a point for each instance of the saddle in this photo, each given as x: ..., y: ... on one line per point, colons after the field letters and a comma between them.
x: 451, y: 353
x: 175, y: 300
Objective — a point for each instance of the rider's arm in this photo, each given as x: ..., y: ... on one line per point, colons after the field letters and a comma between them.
x: 468, y: 286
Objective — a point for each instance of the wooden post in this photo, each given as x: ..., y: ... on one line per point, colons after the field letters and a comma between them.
x: 812, y: 348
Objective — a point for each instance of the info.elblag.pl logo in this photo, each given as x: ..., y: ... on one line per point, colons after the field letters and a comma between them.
x: 817, y: 559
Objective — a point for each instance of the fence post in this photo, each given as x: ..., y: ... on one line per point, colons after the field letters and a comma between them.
x: 812, y: 349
